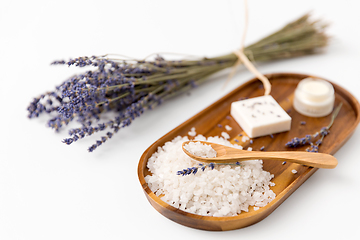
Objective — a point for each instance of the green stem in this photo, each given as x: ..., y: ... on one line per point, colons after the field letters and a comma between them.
x: 334, y: 115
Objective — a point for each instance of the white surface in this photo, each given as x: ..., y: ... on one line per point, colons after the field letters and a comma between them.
x: 52, y: 191
x: 260, y: 116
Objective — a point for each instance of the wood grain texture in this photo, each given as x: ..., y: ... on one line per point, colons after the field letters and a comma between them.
x: 232, y: 155
x: 206, y: 123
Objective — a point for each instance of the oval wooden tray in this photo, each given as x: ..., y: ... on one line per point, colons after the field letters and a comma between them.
x: 206, y: 123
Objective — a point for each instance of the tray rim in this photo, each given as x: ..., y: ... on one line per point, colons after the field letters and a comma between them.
x: 254, y: 216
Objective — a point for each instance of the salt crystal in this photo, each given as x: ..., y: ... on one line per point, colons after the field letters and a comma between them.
x: 192, y: 132
x: 228, y: 128
x: 225, y: 135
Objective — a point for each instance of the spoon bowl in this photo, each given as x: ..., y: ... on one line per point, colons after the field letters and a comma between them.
x: 232, y: 155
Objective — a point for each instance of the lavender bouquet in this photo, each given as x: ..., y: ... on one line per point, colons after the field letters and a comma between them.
x: 130, y: 87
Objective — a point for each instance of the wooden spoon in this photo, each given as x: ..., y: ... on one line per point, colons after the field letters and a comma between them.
x: 232, y: 155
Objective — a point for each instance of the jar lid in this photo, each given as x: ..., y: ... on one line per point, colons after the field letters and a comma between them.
x: 314, y: 97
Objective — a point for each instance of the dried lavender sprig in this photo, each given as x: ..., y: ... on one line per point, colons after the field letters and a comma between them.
x: 308, y: 139
x: 211, y: 166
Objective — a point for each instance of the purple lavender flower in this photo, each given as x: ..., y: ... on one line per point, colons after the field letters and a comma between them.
x: 187, y: 171
x: 313, y: 148
x: 112, y: 85
x: 201, y: 166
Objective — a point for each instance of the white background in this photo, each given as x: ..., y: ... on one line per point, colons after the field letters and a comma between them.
x: 52, y: 191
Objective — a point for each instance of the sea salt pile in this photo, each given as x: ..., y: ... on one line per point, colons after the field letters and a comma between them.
x: 200, y: 150
x: 224, y: 191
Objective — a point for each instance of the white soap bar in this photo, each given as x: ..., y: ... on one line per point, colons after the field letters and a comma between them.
x: 260, y: 116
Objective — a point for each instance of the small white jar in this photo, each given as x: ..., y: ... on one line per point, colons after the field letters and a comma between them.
x: 314, y: 97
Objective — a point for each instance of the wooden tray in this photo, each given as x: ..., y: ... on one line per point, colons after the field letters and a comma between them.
x: 206, y: 123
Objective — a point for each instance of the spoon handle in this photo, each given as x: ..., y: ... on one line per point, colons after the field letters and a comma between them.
x: 318, y: 160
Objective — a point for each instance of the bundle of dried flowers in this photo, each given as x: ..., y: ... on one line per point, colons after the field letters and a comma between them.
x: 130, y: 87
